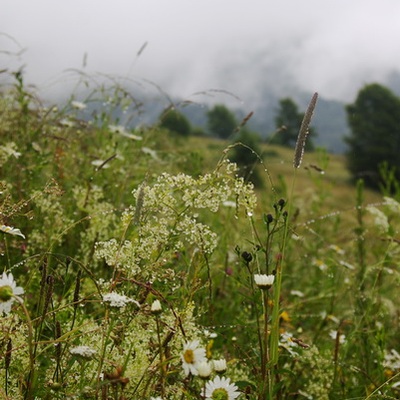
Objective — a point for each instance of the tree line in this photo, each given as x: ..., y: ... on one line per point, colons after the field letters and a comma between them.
x: 373, y: 143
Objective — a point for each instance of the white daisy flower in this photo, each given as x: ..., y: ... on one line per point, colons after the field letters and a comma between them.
x: 83, y: 351
x: 297, y: 293
x: 118, y: 300
x: 220, y: 366
x: 99, y: 163
x: 66, y: 123
x: 152, y: 153
x: 264, y: 281
x: 156, y: 307
x: 191, y: 356
x: 11, y: 231
x: 8, y: 291
x: 123, y: 132
x: 221, y: 388
x: 392, y: 360
x: 204, y: 369
x: 78, y: 105
x: 334, y: 335
x: 286, y: 341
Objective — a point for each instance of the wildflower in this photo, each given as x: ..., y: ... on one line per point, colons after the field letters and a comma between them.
x: 229, y: 203
x: 8, y: 291
x: 123, y: 132
x: 380, y: 220
x: 220, y: 366
x: 10, y: 149
x: 264, y: 281
x: 221, y: 389
x: 191, y: 357
x: 66, y: 123
x: 335, y: 335
x: 347, y: 265
x: 156, y: 398
x: 337, y: 249
x: 156, y: 307
x: 78, y: 105
x: 118, y: 300
x: 83, y: 352
x: 11, y: 231
x: 392, y: 360
x: 100, y: 163
x: 297, y: 293
x: 286, y: 341
x: 152, y: 153
x: 392, y: 204
x: 320, y: 264
x: 204, y: 369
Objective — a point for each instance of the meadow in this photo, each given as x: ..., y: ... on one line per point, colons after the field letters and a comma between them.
x: 137, y: 264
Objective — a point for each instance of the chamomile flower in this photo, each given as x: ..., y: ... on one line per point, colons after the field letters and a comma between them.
x: 11, y: 231
x: 204, y: 369
x: 8, y: 291
x: 156, y: 307
x: 221, y: 388
x: 335, y: 335
x: 192, y: 356
x: 78, y: 105
x: 264, y: 281
x: 220, y: 366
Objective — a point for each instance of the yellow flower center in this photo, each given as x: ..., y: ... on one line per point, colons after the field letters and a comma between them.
x: 220, y: 394
x: 188, y: 356
x: 6, y: 293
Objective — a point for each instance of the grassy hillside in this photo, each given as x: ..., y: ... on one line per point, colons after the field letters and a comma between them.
x: 140, y: 265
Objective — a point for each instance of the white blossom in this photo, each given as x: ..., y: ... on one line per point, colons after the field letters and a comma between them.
x: 8, y: 291
x: 11, y: 231
x: 118, y: 300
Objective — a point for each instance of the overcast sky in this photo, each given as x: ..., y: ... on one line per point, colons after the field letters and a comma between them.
x: 329, y: 46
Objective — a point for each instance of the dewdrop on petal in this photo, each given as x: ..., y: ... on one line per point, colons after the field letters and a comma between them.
x: 264, y: 281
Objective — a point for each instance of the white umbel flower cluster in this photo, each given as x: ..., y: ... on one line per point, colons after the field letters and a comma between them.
x: 83, y: 352
x: 118, y: 300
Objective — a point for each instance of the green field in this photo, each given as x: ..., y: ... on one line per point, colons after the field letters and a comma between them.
x: 139, y: 255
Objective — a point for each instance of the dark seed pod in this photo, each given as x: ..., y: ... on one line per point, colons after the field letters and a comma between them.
x: 247, y: 256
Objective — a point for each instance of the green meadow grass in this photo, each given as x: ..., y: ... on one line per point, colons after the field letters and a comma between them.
x: 139, y: 255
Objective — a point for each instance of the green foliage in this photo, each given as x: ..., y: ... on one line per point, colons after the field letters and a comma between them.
x: 137, y: 254
x: 288, y: 121
x: 221, y: 121
x: 176, y: 122
x: 245, y: 154
x: 374, y: 119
